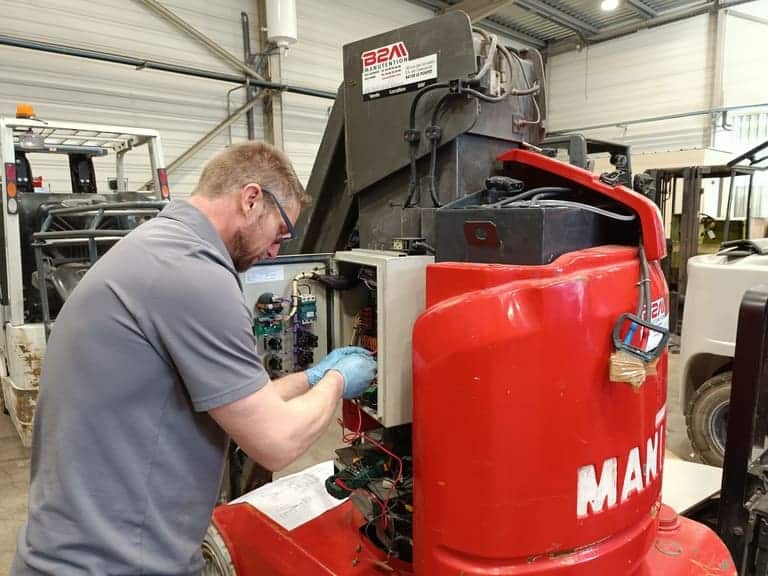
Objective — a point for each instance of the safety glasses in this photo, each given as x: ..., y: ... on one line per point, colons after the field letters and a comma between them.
x: 288, y: 224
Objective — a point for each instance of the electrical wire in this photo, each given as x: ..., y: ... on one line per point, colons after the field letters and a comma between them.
x: 433, y: 174
x: 488, y: 57
x: 509, y: 56
x: 533, y: 192
x: 589, y: 208
x: 415, y: 102
x: 363, y: 437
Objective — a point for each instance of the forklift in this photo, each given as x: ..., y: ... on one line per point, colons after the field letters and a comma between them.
x: 504, y: 434
x: 677, y: 192
x: 739, y: 512
x: 56, y: 220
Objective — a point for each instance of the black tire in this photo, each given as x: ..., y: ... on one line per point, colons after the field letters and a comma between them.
x: 216, y: 557
x: 707, y: 418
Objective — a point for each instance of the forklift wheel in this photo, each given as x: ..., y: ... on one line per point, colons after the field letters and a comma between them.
x: 216, y: 558
x: 707, y: 418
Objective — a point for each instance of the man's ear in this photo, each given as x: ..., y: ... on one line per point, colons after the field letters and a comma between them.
x: 251, y: 197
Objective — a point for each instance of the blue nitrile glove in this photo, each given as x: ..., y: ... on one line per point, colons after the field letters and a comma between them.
x: 316, y: 372
x: 358, y: 371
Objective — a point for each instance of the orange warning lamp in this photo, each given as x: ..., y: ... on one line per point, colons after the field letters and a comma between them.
x: 25, y: 111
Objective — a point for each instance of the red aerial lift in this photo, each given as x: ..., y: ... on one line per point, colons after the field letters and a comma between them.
x: 517, y: 425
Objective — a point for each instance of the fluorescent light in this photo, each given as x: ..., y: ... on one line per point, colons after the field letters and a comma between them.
x: 609, y: 5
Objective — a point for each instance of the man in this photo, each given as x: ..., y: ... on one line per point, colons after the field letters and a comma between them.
x: 151, y: 365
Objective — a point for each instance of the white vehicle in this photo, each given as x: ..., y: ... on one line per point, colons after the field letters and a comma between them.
x: 716, y: 286
x: 56, y: 222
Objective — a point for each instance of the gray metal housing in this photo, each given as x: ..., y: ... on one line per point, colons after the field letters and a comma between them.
x: 361, y: 173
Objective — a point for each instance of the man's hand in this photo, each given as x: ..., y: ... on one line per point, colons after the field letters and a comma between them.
x: 315, y: 373
x: 358, y: 370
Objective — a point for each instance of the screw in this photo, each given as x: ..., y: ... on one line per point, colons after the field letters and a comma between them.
x: 355, y: 562
x: 358, y: 548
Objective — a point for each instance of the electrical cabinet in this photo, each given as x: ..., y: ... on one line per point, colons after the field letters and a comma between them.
x: 305, y: 306
x: 289, y: 343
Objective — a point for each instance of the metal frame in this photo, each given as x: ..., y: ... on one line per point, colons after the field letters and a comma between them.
x: 118, y: 139
x: 585, y: 30
x: 667, y: 190
x: 143, y: 63
x: 738, y: 516
x: 90, y: 235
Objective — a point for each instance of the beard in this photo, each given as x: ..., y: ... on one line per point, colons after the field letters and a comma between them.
x: 241, y: 257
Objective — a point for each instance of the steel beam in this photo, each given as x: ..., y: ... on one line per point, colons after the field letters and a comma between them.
x: 212, y: 46
x: 143, y: 64
x: 273, y: 100
x: 490, y: 24
x: 559, y: 17
x: 745, y: 16
x: 666, y: 17
x: 493, y: 25
x: 642, y: 8
x: 478, y: 9
x: 623, y: 123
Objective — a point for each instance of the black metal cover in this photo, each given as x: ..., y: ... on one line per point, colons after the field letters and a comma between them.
x: 475, y: 230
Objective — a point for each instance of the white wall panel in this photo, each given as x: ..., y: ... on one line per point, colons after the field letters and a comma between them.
x: 745, y: 80
x: 665, y: 70
x: 182, y: 108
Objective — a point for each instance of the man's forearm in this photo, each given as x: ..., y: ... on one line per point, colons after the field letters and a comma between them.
x: 292, y: 385
x: 312, y: 412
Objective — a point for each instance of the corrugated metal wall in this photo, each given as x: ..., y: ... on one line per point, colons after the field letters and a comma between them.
x: 745, y: 80
x: 182, y: 108
x: 62, y: 87
x: 660, y: 71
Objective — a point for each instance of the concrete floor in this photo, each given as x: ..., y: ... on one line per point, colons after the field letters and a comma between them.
x: 14, y: 464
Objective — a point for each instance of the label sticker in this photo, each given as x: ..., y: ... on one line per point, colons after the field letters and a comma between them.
x: 659, y: 317
x: 261, y: 274
x: 389, y: 70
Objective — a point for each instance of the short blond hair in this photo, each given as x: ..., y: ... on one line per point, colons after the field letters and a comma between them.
x: 247, y: 162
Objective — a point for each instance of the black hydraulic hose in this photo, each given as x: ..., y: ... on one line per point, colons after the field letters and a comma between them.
x: 413, y: 140
x: 433, y: 174
x: 417, y: 98
x: 413, y: 181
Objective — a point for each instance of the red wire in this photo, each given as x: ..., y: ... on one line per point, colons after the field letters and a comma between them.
x: 342, y: 484
x: 359, y: 434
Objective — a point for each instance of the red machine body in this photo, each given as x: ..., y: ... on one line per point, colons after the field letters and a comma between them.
x: 528, y: 460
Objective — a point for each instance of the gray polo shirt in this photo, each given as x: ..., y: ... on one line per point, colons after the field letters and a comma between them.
x: 126, y: 462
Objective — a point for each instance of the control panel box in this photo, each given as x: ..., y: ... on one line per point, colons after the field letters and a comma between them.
x: 305, y: 306
x: 379, y: 313
x: 291, y: 313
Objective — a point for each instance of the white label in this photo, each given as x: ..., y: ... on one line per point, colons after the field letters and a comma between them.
x: 389, y: 70
x: 261, y: 274
x: 659, y: 317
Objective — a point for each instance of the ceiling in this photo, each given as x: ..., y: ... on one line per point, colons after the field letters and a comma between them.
x: 542, y: 23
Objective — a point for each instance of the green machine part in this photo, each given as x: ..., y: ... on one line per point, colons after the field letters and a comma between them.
x: 267, y: 325
x: 364, y: 470
x: 307, y: 312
